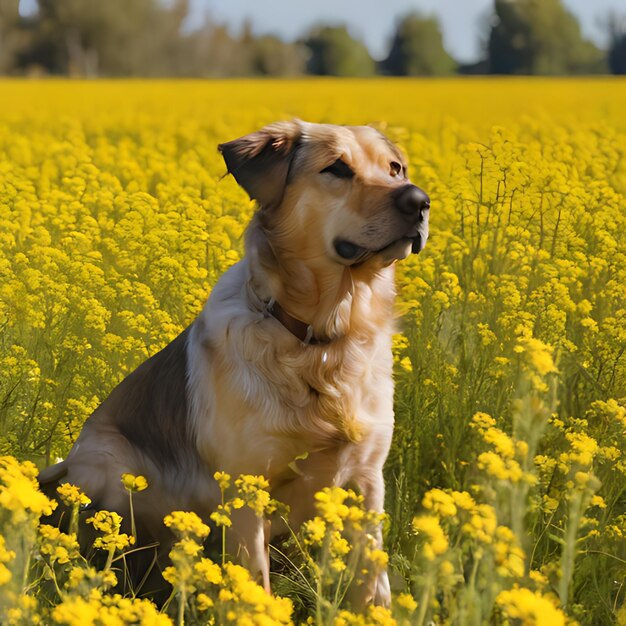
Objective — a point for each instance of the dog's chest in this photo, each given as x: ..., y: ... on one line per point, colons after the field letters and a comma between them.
x: 273, y: 405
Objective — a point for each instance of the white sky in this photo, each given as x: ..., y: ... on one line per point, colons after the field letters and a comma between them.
x: 373, y: 20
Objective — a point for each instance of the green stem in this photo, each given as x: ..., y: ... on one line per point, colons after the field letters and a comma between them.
x: 26, y: 570
x: 180, y: 618
x: 223, y: 534
x: 319, y: 600
x: 133, y: 528
x: 74, y: 520
x: 476, y: 607
x: 518, y: 495
x: 319, y: 618
x: 569, y: 549
x: 54, y: 580
x: 423, y: 603
x: 107, y: 565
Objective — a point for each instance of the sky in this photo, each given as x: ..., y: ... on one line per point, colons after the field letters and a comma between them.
x: 373, y: 20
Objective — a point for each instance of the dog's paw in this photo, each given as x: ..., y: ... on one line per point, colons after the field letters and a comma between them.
x: 373, y: 590
x: 382, y: 592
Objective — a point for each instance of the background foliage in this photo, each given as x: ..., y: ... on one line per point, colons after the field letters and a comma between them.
x: 152, y: 38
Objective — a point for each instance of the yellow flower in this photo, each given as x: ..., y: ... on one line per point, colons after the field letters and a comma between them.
x: 339, y: 545
x: 378, y: 558
x: 253, y: 490
x: 598, y: 501
x: 171, y: 575
x: 406, y: 364
x: 549, y: 504
x: 482, y: 523
x: 338, y: 564
x: 117, y: 541
x: 5, y: 574
x: 242, y: 599
x: 84, y: 579
x: 529, y: 608
x: 61, y: 548
x: 583, y: 449
x: 436, y: 540
x: 204, y: 602
x: 207, y: 571
x: 314, y: 530
x: 71, y: 495
x: 134, y: 483
x: 185, y: 523
x: 6, y: 556
x: 330, y: 505
x: 75, y: 611
x: 189, y: 547
x: 463, y: 500
x: 379, y: 616
x: 503, y: 469
x: 539, y: 354
x: 223, y: 480
x: 406, y: 601
x: 106, y: 521
x: 503, y: 444
x: 439, y: 502
x: 19, y: 491
x: 540, y: 579
x: 109, y: 523
x: 221, y: 517
x: 581, y: 478
x: 483, y: 421
x: 509, y: 557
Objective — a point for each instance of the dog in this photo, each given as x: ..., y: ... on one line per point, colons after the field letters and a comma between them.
x: 290, y: 358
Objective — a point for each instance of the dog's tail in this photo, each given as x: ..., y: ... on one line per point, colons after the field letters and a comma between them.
x: 52, y: 474
x: 49, y: 479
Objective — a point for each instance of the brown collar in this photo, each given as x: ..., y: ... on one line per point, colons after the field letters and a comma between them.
x: 298, y: 328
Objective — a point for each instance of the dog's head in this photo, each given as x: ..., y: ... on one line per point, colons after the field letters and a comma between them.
x: 338, y: 193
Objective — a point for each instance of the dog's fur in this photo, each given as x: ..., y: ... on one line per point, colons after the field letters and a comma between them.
x: 238, y: 392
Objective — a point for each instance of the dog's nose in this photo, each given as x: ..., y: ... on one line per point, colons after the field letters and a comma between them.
x: 411, y: 201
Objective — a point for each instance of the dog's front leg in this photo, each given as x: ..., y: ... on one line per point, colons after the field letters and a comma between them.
x: 247, y: 540
x: 374, y: 588
x: 374, y: 495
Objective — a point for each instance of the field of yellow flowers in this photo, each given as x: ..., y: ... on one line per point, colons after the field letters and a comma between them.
x: 505, y: 484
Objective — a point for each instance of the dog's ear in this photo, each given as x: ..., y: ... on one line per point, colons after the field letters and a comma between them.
x: 260, y: 161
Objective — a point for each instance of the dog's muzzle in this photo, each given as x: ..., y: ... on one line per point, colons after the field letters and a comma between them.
x: 413, y: 204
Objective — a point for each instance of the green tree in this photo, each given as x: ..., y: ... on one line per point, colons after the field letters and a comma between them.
x: 617, y: 47
x: 145, y: 38
x: 11, y: 35
x: 116, y: 37
x: 334, y: 52
x: 417, y: 49
x: 272, y: 56
x: 539, y: 37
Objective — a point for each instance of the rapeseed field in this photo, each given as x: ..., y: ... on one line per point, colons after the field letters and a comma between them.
x: 505, y: 484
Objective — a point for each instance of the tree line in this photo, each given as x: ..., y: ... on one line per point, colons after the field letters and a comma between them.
x: 150, y: 38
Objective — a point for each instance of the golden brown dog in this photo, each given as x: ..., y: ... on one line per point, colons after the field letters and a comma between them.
x: 290, y: 355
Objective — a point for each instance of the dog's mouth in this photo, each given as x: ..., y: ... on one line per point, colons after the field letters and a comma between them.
x: 353, y: 253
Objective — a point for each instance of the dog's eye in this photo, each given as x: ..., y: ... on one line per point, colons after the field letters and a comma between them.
x: 340, y: 169
x: 395, y: 169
